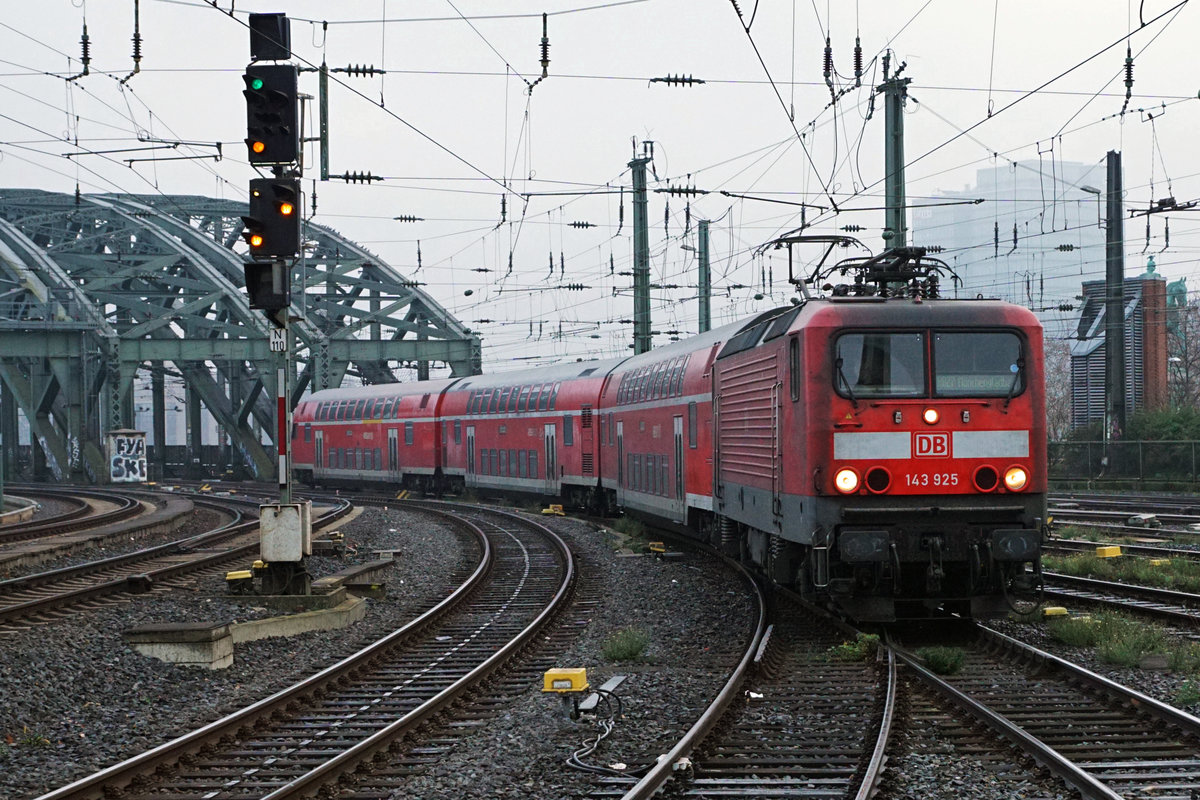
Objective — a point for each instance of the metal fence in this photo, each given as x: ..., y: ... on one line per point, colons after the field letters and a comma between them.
x: 1148, y: 464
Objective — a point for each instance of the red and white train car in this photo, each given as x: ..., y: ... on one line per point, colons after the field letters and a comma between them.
x: 884, y: 454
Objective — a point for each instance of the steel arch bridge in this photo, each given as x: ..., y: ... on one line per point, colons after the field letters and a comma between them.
x: 95, y: 288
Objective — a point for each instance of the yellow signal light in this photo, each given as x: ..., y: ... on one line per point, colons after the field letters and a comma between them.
x: 256, y: 240
x: 286, y: 209
x: 258, y: 147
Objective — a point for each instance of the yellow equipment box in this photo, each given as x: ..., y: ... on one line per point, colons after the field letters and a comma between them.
x: 565, y: 680
x: 1054, y: 611
x: 1108, y: 551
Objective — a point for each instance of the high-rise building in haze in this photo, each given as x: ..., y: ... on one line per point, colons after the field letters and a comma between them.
x: 1052, y: 207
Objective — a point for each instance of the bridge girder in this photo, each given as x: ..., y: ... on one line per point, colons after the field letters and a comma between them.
x: 97, y: 287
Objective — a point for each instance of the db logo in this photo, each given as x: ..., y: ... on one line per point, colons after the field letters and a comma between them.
x: 932, y: 445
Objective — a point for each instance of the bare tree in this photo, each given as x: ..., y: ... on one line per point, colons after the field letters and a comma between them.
x: 1183, y: 355
x: 1058, y: 388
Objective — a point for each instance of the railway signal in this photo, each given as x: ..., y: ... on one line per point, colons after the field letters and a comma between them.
x: 272, y: 129
x: 273, y: 225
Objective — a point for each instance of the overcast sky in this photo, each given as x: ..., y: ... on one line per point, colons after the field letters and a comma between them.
x: 453, y: 121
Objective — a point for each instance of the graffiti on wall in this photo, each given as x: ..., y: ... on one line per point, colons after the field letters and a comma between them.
x: 127, y: 457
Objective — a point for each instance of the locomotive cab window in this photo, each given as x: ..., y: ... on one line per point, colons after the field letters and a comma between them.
x: 880, y: 364
x: 977, y: 363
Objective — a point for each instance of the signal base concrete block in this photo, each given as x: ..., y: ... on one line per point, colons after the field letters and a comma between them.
x: 194, y: 644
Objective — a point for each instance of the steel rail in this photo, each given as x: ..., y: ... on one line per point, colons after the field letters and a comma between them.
x: 1070, y: 773
x: 348, y: 760
x: 874, y: 770
x: 103, y: 784
x: 144, y: 581
x: 232, y: 528
x: 127, y: 507
x: 664, y: 769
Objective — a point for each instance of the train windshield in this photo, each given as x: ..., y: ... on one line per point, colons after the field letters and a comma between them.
x: 977, y: 364
x: 880, y: 364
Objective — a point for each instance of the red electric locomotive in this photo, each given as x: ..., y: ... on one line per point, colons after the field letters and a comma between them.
x: 881, y: 449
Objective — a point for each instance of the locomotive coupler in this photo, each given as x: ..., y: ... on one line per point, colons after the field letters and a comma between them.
x: 934, y: 573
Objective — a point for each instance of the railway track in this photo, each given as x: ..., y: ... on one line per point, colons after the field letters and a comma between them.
x: 80, y: 517
x: 1103, y: 739
x: 1172, y: 607
x: 43, y: 597
x: 789, y: 722
x: 303, y: 739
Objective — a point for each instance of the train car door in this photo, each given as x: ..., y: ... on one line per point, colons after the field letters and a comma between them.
x: 319, y: 454
x: 678, y: 504
x: 470, y: 479
x: 393, y: 455
x: 551, y: 458
x: 620, y: 462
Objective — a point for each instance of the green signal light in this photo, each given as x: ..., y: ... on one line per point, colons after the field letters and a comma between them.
x: 256, y: 83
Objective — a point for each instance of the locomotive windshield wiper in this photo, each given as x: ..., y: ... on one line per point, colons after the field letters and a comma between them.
x: 1012, y: 388
x: 845, y: 382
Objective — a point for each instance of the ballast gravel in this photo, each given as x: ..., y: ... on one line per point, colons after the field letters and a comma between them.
x: 74, y: 698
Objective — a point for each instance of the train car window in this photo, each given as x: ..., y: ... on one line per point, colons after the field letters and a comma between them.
x: 504, y: 463
x: 408, y: 433
x: 340, y: 414
x: 512, y: 463
x: 368, y: 460
x: 360, y: 409
x: 544, y: 398
x: 503, y: 404
x: 458, y: 431
x: 692, y: 424
x: 568, y: 430
x: 295, y: 429
x: 554, y: 395
x: 977, y: 363
x: 388, y: 407
x: 795, y: 378
x: 471, y: 402
x: 378, y: 459
x: 660, y: 380
x: 493, y: 401
x: 308, y: 431
x: 880, y: 364
x: 533, y: 467
x: 424, y: 401
x: 663, y: 488
x: 523, y: 464
x: 512, y: 399
x: 612, y: 429
x: 533, y: 398
x: 523, y: 398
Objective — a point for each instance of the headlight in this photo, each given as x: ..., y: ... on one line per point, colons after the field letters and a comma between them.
x: 1015, y: 479
x: 846, y: 481
x: 931, y: 416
